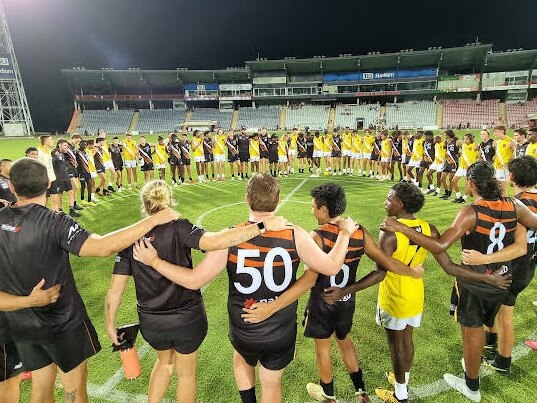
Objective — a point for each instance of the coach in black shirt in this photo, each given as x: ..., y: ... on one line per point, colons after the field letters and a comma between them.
x: 7, y: 197
x: 35, y: 243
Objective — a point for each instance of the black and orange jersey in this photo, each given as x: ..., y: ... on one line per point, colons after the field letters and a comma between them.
x: 261, y: 270
x: 347, y: 274
x: 529, y: 199
x: 496, y: 221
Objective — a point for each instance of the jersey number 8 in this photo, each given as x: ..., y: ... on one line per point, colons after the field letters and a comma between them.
x: 496, y: 241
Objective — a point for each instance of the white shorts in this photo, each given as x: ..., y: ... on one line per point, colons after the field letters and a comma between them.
x: 383, y: 159
x: 160, y: 166
x: 93, y: 174
x: 219, y: 158
x: 414, y: 163
x: 327, y: 153
x: 199, y: 159
x: 282, y: 158
x: 346, y: 153
x: 405, y: 158
x: 461, y: 173
x: 318, y: 154
x: 254, y: 159
x: 366, y: 156
x: 387, y: 321
x: 108, y: 165
x: 292, y: 151
x: 357, y: 156
x: 438, y: 167
x: 130, y: 163
x: 502, y: 175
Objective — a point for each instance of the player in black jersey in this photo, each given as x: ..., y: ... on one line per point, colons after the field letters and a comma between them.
x: 185, y: 157
x: 488, y: 225
x: 70, y: 157
x: 273, y: 154
x: 451, y: 163
x: 397, y: 154
x: 61, y: 170
x: 336, y: 154
x: 7, y: 197
x: 521, y: 140
x: 146, y: 159
x: 174, y: 151
x: 486, y: 147
x: 209, y: 155
x: 260, y: 270
x: 116, y: 152
x: 302, y: 148
x: 83, y: 169
x: 172, y: 318
x: 95, y: 148
x: 309, y: 150
x: 263, y: 150
x: 61, y: 335
x: 428, y: 159
x: 243, y: 146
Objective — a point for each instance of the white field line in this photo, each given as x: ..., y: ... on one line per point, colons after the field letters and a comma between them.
x: 291, y: 194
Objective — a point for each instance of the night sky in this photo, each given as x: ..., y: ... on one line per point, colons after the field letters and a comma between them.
x: 163, y: 34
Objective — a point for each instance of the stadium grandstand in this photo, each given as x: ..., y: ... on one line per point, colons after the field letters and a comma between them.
x: 467, y: 87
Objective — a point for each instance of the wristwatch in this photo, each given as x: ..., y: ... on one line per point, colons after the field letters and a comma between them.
x: 262, y: 227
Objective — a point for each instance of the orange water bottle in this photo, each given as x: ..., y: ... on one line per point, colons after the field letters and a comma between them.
x: 130, y: 360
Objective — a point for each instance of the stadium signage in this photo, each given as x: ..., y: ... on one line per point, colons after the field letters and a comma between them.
x: 235, y: 87
x: 380, y: 75
x: 377, y: 93
x: 7, y: 72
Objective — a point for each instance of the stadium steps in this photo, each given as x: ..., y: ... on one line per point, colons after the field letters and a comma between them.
x: 235, y: 119
x: 382, y: 115
x: 134, y: 121
x: 502, y: 112
x: 331, y: 118
x: 75, y: 120
x: 439, y: 114
x: 188, y: 116
x: 283, y: 116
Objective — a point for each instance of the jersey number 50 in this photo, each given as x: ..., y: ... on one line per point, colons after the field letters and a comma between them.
x: 268, y: 270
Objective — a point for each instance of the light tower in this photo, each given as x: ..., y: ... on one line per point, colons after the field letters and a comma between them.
x: 15, y: 119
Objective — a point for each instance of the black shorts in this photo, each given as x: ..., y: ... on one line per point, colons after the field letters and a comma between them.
x: 10, y: 362
x: 244, y: 157
x: 309, y: 153
x: 264, y: 155
x: 523, y: 272
x: 425, y: 164
x: 71, y: 171
x: 68, y: 351
x: 374, y: 157
x: 322, y: 321
x: 396, y: 158
x: 209, y: 157
x: 82, y: 177
x: 273, y: 159
x: 185, y: 161
x: 336, y: 154
x: 231, y: 158
x: 273, y: 355
x: 302, y: 154
x: 118, y: 166
x: 184, y: 341
x: 59, y: 186
x: 450, y: 168
x: 174, y: 161
x: 100, y: 170
x: 147, y: 167
x: 472, y: 309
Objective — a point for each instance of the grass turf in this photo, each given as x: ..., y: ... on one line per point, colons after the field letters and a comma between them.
x: 437, y: 341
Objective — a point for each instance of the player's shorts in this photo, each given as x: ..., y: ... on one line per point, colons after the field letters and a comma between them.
x: 160, y: 166
x: 385, y: 159
x: 184, y: 340
x: 254, y: 159
x: 10, y: 362
x: 82, y: 177
x: 346, y: 153
x: 174, y: 161
x: 425, y: 164
x: 523, y: 273
x: 59, y: 186
x: 374, y: 157
x: 461, y: 173
x: 71, y: 171
x: 450, y: 168
x: 219, y: 158
x: 274, y: 355
x: 244, y: 157
x: 67, y: 351
x: 200, y: 158
x: 323, y: 321
x: 502, y: 174
x: 327, y: 153
x: 366, y: 156
x: 414, y: 163
x: 118, y: 166
x: 302, y: 155
x: 130, y: 163
x: 396, y: 158
x: 357, y: 156
x: 264, y: 155
x: 292, y: 151
x: 232, y: 158
x: 405, y: 158
x: 209, y: 158
x: 472, y: 309
x: 147, y: 167
x: 336, y: 154
x: 273, y: 158
x: 93, y: 174
x: 282, y: 158
x: 436, y: 166
x: 185, y: 161
x: 318, y: 154
x: 108, y: 164
x: 100, y: 170
x: 387, y: 321
x: 309, y: 153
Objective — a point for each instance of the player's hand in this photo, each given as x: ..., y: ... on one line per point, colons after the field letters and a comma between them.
x: 500, y: 281
x: 111, y: 331
x: 144, y: 252
x: 258, y: 312
x: 390, y: 224
x: 332, y: 295
x: 347, y: 224
x: 5, y: 202
x: 417, y: 271
x: 277, y: 223
x: 41, y: 297
x: 473, y: 257
x: 165, y: 216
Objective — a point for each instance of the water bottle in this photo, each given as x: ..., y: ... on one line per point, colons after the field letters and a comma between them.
x: 130, y: 360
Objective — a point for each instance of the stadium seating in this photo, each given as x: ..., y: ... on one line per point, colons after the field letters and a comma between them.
x: 460, y: 113
x: 314, y: 117
x: 346, y: 115
x: 113, y: 122
x: 411, y: 115
x: 223, y: 118
x: 263, y: 116
x: 160, y: 120
x: 517, y: 114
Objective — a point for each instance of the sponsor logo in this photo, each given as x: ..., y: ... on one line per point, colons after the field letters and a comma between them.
x: 18, y: 366
x: 4, y: 61
x: 368, y: 76
x: 7, y: 71
x: 118, y: 259
x: 72, y: 233
x: 10, y: 228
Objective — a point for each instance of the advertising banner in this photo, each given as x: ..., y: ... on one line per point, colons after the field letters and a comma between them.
x: 381, y: 75
x: 235, y: 87
x: 7, y: 72
x: 459, y: 83
x: 201, y: 87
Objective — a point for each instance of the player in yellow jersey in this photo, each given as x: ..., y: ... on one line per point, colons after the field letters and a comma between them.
x: 107, y: 160
x: 437, y: 165
x: 532, y: 146
x: 292, y: 150
x: 357, y: 156
x: 469, y: 155
x: 130, y: 155
x: 327, y: 151
x: 199, y: 156
x: 159, y: 157
x: 219, y: 144
x: 254, y: 153
x: 318, y: 152
x: 505, y: 147
x: 369, y: 145
x: 416, y: 157
x: 346, y: 150
x: 282, y: 155
x: 385, y: 156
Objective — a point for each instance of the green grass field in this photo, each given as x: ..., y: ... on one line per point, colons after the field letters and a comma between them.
x: 437, y: 341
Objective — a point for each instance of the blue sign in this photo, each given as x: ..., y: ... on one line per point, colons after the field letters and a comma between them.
x: 380, y: 75
x: 7, y: 71
x: 201, y: 87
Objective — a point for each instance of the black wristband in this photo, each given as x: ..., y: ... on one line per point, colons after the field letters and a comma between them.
x: 262, y: 227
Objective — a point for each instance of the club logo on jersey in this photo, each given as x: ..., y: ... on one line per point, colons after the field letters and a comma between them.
x: 248, y: 303
x: 503, y: 270
x: 10, y: 228
x: 73, y: 231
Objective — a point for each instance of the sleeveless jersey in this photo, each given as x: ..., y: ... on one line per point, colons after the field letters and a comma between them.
x: 496, y: 222
x: 385, y: 149
x: 529, y: 199
x: 129, y: 150
x: 327, y: 146
x: 439, y: 153
x: 403, y: 296
x: 318, y: 143
x: 428, y: 150
x: 261, y: 270
x: 208, y: 147
x: 521, y: 149
x: 408, y: 146
x: 487, y: 151
x: 254, y: 148
x: 282, y: 148
x: 452, y: 151
x: 532, y: 150
x: 397, y: 146
x: 232, y: 146
x: 106, y: 152
x: 197, y: 147
x: 292, y: 143
x: 468, y: 156
x: 357, y: 144
x: 368, y: 144
x: 346, y: 143
x: 504, y: 153
x: 219, y: 144
x: 337, y: 142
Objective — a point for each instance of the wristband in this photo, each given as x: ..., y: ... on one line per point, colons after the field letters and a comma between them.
x: 262, y: 227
